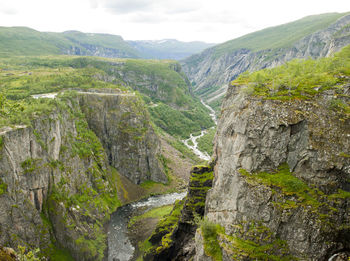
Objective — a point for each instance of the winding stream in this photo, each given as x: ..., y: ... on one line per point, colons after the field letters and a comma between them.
x: 119, y: 245
x: 193, y: 139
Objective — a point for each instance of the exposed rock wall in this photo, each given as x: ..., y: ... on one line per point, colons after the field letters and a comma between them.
x: 173, y: 238
x: 212, y: 71
x: 301, y: 203
x: 56, y: 185
x: 122, y: 123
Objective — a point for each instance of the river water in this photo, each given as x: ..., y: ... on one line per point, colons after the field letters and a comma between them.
x: 119, y: 245
x: 193, y: 139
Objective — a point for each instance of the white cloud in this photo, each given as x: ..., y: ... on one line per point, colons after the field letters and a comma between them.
x: 208, y: 20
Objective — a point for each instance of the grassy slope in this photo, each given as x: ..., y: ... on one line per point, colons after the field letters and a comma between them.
x: 270, y: 38
x: 279, y: 36
x: 168, y: 49
x: 16, y: 41
x: 21, y: 77
x: 301, y: 79
x: 101, y: 40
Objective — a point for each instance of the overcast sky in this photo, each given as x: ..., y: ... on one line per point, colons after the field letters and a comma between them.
x: 187, y: 20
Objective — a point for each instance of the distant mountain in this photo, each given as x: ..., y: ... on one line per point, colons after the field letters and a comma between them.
x: 312, y: 36
x: 168, y: 48
x: 24, y: 41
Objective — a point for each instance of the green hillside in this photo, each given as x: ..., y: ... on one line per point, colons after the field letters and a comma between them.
x: 26, y: 41
x: 102, y: 41
x: 15, y: 41
x: 279, y: 36
x: 302, y: 80
x: 160, y: 83
x: 168, y: 49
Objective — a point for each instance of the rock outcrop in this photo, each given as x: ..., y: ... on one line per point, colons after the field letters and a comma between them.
x: 173, y: 238
x: 281, y: 180
x: 56, y: 186
x: 122, y: 123
x: 212, y: 72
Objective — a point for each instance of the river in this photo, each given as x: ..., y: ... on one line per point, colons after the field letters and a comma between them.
x: 119, y: 245
x: 193, y: 139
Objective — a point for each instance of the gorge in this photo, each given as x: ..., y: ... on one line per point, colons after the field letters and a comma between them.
x: 95, y: 150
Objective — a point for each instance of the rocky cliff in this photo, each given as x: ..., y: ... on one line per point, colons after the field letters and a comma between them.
x: 122, y: 123
x: 56, y: 187
x: 281, y: 186
x: 213, y: 69
x: 173, y: 238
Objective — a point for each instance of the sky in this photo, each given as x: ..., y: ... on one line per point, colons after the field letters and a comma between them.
x: 212, y: 21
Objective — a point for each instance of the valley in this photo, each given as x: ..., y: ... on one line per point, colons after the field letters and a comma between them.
x: 114, y: 150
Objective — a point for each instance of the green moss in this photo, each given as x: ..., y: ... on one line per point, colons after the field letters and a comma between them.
x: 251, y: 240
x: 30, y: 165
x: 1, y: 142
x: 3, y: 187
x: 165, y: 227
x: 59, y: 254
x: 345, y: 155
x: 291, y: 192
x: 210, y: 239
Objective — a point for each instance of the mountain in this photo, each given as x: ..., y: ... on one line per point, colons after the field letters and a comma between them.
x: 23, y: 41
x: 278, y: 185
x: 168, y: 48
x: 313, y: 36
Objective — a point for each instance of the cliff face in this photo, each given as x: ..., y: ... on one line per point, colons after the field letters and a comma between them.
x: 212, y: 72
x: 122, y: 124
x: 281, y: 179
x: 56, y: 184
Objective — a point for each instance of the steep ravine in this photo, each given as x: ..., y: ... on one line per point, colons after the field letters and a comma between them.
x: 192, y: 143
x: 212, y: 71
x: 56, y: 183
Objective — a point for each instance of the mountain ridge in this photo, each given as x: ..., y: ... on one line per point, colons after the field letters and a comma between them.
x: 24, y: 41
x: 212, y: 70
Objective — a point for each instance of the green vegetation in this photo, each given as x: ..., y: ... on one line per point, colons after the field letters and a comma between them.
x: 210, y: 239
x: 216, y: 104
x: 292, y: 192
x: 26, y: 255
x: 59, y: 254
x: 3, y: 187
x: 279, y: 36
x: 158, y: 212
x: 180, y: 123
x: 200, y: 183
x: 205, y: 143
x: 160, y: 82
x: 15, y: 41
x: 254, y: 241
x: 165, y: 227
x: 301, y: 79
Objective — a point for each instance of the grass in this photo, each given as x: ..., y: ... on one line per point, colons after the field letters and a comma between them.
x: 153, y: 213
x: 301, y: 79
x: 59, y: 254
x: 210, y: 239
x: 23, y: 41
x: 279, y: 36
